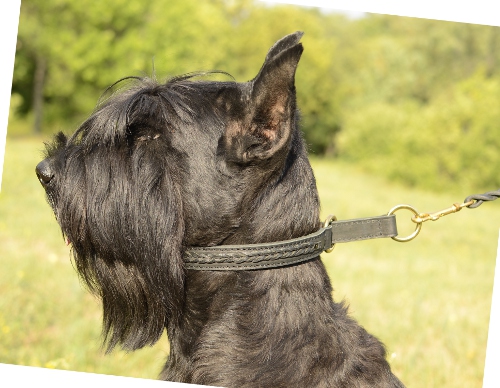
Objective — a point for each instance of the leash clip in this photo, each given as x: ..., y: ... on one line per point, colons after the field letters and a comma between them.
x: 456, y: 207
x: 420, y: 218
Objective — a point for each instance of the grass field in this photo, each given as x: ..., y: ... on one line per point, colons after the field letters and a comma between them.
x: 428, y: 300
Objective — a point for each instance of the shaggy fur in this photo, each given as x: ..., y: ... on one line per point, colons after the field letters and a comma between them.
x: 160, y: 167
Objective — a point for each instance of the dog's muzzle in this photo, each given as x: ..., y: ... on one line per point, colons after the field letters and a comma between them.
x: 44, y: 172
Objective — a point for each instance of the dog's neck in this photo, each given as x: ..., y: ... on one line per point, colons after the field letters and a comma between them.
x: 215, y: 300
x: 281, y: 209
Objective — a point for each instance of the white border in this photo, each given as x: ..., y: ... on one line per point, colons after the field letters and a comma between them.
x: 9, y: 18
x: 476, y: 12
x: 491, y: 374
x: 24, y: 376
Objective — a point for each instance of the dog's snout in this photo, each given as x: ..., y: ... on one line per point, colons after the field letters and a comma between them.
x: 44, y: 172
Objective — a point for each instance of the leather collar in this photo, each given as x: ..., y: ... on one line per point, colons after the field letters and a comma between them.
x: 289, y: 252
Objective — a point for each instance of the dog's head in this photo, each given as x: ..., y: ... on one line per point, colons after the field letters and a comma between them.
x: 158, y: 167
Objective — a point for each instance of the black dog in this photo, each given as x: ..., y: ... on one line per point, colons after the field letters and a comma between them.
x: 158, y: 169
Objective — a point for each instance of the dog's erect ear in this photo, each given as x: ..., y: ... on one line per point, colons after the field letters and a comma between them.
x: 283, y: 44
x: 271, y: 106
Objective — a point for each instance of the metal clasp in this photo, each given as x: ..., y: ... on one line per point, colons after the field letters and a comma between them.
x: 422, y: 217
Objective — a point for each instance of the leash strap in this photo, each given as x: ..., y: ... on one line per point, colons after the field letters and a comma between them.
x: 294, y: 251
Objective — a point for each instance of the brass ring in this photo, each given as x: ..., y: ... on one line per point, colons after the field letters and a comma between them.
x: 331, y: 218
x: 417, y: 228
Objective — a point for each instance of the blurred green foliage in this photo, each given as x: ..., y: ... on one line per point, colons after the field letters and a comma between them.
x: 427, y: 113
x: 413, y: 99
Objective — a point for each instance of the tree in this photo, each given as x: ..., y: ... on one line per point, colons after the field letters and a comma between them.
x: 68, y: 52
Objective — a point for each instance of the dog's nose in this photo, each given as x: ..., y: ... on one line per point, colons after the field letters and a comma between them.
x: 44, y: 172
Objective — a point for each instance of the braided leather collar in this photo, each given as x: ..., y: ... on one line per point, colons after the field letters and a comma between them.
x: 294, y: 251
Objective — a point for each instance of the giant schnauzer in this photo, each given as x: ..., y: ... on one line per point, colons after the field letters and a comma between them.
x: 160, y: 177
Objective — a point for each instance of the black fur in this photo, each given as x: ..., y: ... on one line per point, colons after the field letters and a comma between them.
x: 159, y: 167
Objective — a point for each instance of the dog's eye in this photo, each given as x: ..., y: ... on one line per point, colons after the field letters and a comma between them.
x: 148, y: 137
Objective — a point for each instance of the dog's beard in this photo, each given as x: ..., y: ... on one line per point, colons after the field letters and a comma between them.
x: 121, y: 210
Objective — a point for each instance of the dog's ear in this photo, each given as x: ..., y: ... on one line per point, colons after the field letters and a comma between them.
x: 271, y: 107
x: 283, y: 44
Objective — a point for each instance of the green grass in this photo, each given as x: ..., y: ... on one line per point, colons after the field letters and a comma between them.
x: 428, y: 300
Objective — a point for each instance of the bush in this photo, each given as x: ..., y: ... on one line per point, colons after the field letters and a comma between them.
x: 452, y: 141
